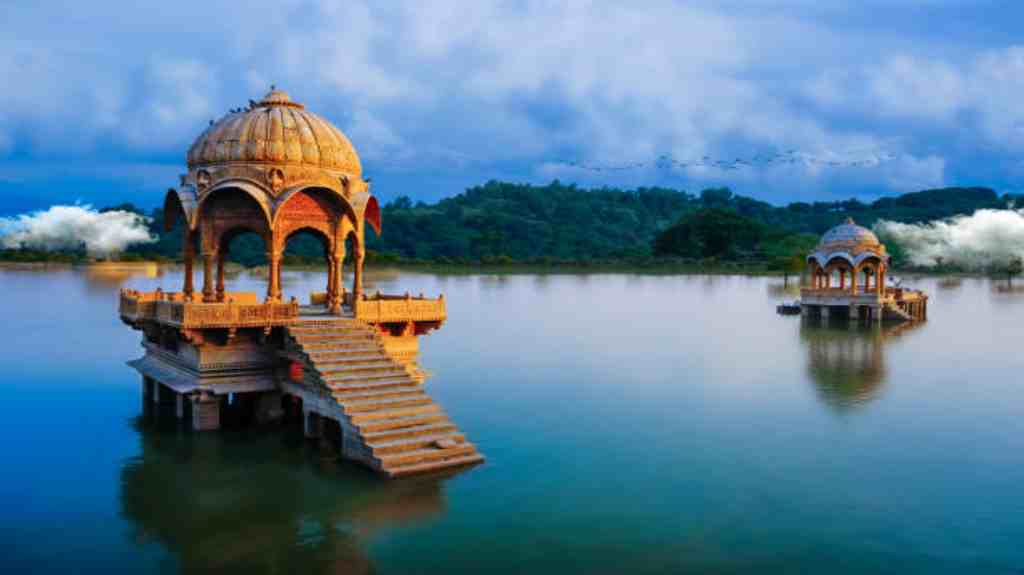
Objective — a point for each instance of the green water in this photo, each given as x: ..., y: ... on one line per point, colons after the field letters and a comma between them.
x: 641, y: 424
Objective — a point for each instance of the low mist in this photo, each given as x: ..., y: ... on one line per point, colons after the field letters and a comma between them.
x: 74, y: 227
x: 986, y: 239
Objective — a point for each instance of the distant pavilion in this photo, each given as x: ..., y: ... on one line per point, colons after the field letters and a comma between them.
x: 848, y: 271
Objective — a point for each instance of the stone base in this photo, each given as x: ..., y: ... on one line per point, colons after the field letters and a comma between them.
x: 268, y: 408
x: 206, y: 413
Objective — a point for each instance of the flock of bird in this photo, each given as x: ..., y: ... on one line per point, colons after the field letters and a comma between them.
x: 760, y: 160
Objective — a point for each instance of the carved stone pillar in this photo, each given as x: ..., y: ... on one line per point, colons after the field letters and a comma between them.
x: 205, y: 412
x: 334, y: 283
x: 220, y: 277
x: 189, y: 253
x: 274, y: 279
x: 357, y: 271
x: 208, y: 294
x: 331, y: 286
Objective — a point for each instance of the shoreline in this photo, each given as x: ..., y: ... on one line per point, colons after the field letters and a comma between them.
x: 666, y: 268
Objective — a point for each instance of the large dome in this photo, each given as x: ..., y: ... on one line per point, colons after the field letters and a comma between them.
x: 275, y: 130
x: 849, y: 235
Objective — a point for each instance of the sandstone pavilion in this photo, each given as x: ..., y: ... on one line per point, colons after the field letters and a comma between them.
x: 848, y: 271
x: 343, y: 361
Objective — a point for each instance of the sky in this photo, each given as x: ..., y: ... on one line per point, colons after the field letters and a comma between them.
x: 870, y: 98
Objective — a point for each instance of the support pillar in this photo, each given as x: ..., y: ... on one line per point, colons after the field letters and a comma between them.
x: 274, y: 279
x: 190, y: 253
x: 208, y: 293
x: 357, y: 260
x: 267, y: 408
x: 205, y: 412
x: 179, y: 406
x: 312, y: 424
x: 826, y: 312
x: 220, y: 277
x: 334, y: 284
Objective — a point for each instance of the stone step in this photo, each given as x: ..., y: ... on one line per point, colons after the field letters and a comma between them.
x: 359, y: 419
x: 331, y: 332
x: 340, y: 338
x: 385, y: 404
x: 353, y: 360
x: 397, y: 424
x: 328, y: 353
x: 433, y: 466
x: 377, y: 384
x: 430, y: 428
x: 345, y: 378
x: 328, y: 324
x: 392, y: 460
x: 324, y: 322
x: 330, y: 346
x: 405, y: 444
x: 356, y: 369
x: 347, y: 397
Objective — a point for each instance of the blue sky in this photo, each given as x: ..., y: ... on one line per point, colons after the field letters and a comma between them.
x: 102, y: 99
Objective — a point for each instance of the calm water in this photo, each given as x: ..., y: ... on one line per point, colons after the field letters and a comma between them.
x: 643, y: 424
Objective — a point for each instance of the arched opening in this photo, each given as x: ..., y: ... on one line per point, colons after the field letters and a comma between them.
x: 309, y: 247
x: 240, y: 245
x: 324, y: 215
x: 224, y: 216
x: 177, y: 224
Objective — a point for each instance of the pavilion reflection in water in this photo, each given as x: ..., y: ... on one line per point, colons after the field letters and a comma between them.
x: 847, y: 362
x: 240, y: 503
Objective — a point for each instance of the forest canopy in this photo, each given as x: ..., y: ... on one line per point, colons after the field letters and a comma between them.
x: 562, y: 224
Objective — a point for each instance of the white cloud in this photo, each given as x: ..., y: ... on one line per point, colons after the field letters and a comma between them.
x: 71, y: 227
x: 456, y: 85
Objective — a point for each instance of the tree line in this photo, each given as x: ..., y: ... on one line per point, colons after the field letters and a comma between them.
x: 501, y: 223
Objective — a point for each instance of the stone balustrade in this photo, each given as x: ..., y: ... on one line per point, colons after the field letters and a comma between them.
x: 393, y: 309
x: 238, y: 310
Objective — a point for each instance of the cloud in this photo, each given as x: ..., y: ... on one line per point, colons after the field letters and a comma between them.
x: 74, y: 227
x: 494, y: 87
x: 985, y: 239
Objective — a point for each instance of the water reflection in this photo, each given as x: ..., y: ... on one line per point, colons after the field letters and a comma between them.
x: 787, y: 290
x: 847, y: 362
x: 241, y: 502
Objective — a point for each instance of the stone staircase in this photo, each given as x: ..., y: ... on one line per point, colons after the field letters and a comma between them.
x: 399, y: 430
x: 896, y: 312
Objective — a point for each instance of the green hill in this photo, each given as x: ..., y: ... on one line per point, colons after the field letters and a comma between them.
x: 500, y: 222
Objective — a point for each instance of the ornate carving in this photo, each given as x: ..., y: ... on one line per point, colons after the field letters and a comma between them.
x: 275, y: 179
x: 203, y: 180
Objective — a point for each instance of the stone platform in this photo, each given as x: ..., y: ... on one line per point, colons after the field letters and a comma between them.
x: 354, y: 377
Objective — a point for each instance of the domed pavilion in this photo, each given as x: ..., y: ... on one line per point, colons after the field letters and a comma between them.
x: 276, y: 169
x: 848, y: 271
x: 345, y: 365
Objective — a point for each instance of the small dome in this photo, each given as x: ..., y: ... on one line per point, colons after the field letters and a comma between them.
x: 849, y: 235
x: 275, y: 130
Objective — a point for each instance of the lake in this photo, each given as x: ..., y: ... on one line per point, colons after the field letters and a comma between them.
x: 632, y: 423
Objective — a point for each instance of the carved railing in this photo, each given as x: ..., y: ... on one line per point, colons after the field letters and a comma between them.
x: 171, y: 309
x: 389, y: 309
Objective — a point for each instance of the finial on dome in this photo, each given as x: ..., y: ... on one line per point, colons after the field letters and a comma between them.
x: 850, y: 221
x: 276, y: 97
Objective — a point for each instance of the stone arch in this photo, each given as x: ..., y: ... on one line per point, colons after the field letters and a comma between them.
x: 341, y: 205
x: 227, y: 210
x: 254, y: 191
x: 179, y: 204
